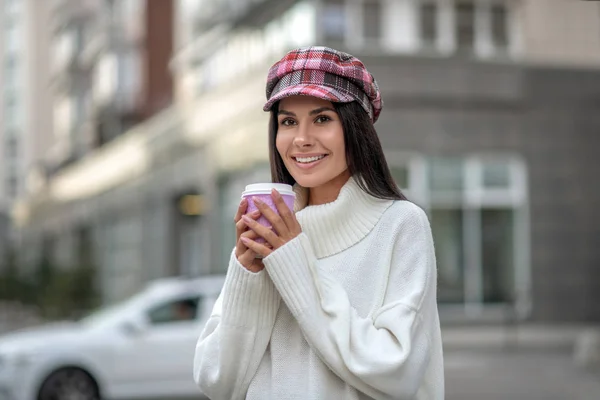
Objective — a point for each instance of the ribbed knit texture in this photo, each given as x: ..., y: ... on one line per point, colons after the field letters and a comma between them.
x: 354, y: 298
x: 338, y: 227
x: 237, y: 333
x: 249, y: 299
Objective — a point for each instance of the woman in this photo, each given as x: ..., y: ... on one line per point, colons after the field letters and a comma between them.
x: 343, y: 304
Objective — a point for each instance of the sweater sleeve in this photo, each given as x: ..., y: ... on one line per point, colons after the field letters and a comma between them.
x: 237, y: 333
x: 384, y: 356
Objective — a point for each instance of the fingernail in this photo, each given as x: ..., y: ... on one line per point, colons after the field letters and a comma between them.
x: 244, y: 239
x: 246, y: 218
x: 257, y: 200
x: 244, y: 201
x: 255, y: 213
x: 275, y: 193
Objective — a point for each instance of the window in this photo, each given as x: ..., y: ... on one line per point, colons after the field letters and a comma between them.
x: 447, y: 231
x: 85, y: 246
x: 181, y: 310
x: 465, y: 26
x: 10, y: 98
x: 496, y: 174
x: 477, y: 210
x: 499, y: 16
x: 105, y: 78
x: 334, y: 20
x: 12, y: 147
x: 130, y: 65
x: 372, y: 21
x: 227, y: 209
x: 13, y: 186
x: 13, y: 39
x: 409, y: 172
x: 78, y: 38
x: 79, y: 104
x: 11, y: 6
x: 63, y: 46
x: 10, y: 61
x: 11, y: 109
x: 294, y: 27
x: 474, y: 223
x: 428, y: 23
x: 446, y: 174
x: 11, y: 73
x: 446, y: 180
x: 497, y: 254
x: 119, y: 239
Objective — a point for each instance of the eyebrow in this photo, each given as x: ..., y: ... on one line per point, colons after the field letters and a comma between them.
x: 313, y: 112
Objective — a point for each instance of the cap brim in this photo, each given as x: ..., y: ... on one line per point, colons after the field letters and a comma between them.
x: 303, y: 89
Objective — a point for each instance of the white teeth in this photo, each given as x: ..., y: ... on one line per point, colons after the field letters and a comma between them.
x: 309, y: 159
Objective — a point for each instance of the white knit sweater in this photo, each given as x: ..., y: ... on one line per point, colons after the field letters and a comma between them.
x: 347, y: 310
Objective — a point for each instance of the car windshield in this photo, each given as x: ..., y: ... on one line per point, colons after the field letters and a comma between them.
x: 108, y: 314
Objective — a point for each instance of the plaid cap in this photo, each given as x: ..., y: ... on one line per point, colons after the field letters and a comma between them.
x: 324, y: 73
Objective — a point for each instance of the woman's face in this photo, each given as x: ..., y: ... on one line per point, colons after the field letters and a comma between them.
x: 310, y: 140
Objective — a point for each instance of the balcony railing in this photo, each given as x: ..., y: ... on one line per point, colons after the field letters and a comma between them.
x: 238, y: 13
x: 66, y: 10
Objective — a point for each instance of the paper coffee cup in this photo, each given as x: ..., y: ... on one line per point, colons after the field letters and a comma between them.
x: 263, y: 191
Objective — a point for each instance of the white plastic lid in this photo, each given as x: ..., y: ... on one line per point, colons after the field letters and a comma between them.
x: 265, y: 188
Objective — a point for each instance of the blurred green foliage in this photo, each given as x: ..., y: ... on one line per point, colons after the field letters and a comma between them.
x: 55, y: 292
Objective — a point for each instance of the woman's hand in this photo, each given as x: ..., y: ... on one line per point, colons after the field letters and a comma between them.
x: 246, y: 256
x: 285, y: 226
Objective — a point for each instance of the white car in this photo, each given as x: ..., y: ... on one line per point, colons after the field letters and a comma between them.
x: 142, y: 348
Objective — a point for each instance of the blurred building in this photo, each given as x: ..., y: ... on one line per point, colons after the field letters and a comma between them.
x: 109, y: 74
x: 489, y: 124
x: 25, y: 117
x: 109, y: 71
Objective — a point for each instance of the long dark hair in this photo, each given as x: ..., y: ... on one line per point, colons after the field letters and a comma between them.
x: 364, y: 153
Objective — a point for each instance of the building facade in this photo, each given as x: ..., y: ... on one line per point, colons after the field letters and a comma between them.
x: 25, y: 116
x: 487, y: 124
x: 109, y: 73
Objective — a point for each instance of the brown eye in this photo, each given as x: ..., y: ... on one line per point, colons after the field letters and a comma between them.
x: 287, y: 122
x: 321, y: 119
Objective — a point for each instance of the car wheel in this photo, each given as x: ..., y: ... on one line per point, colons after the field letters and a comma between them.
x: 69, y: 384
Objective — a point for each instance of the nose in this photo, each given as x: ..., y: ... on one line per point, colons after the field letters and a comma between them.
x: 303, y: 138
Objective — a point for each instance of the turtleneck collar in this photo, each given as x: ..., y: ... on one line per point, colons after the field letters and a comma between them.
x: 334, y: 227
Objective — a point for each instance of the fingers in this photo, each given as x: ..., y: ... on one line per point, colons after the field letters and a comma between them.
x: 256, y: 247
x: 247, y: 259
x: 240, y: 247
x: 287, y: 215
x: 278, y: 225
x: 248, y: 256
x: 267, y: 233
x: 256, y: 265
x: 241, y: 227
x: 244, y: 255
x: 241, y: 210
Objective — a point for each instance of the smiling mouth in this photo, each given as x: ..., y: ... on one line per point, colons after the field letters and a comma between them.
x: 309, y: 160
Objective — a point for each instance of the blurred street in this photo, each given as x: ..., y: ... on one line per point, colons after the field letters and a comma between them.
x: 479, y: 365
x: 129, y: 129
x: 525, y: 374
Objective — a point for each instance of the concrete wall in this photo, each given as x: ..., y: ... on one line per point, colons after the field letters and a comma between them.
x: 550, y: 117
x: 561, y: 128
x: 561, y: 32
